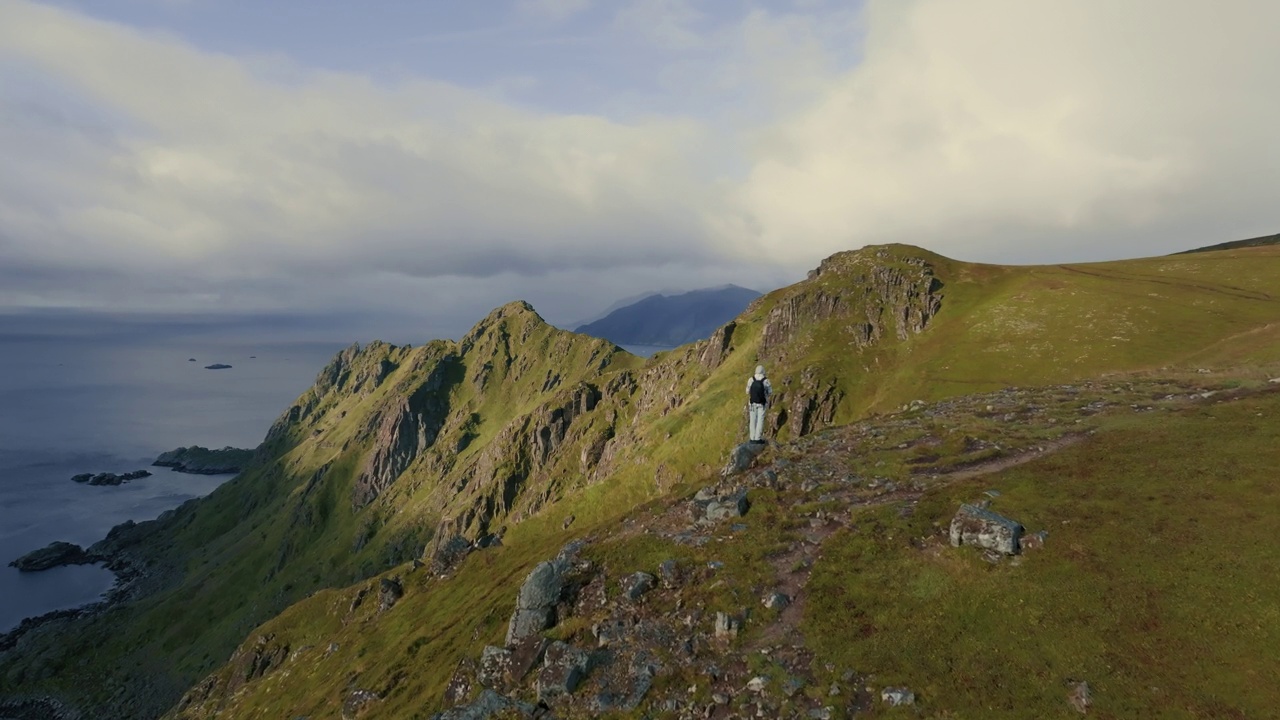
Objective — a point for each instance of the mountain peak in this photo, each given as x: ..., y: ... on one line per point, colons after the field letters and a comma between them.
x: 670, y: 320
x: 516, y: 310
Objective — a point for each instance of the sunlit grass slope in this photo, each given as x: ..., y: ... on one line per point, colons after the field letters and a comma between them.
x: 1154, y: 585
x: 288, y: 526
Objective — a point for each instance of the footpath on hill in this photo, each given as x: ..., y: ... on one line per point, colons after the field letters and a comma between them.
x: 797, y: 583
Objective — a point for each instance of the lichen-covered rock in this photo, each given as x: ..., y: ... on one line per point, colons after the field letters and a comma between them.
x: 526, y: 623
x: 536, y: 602
x: 495, y: 667
x: 1034, y: 541
x: 637, y: 584
x: 1079, y: 697
x: 776, y: 600
x: 727, y: 626
x: 563, y: 668
x: 525, y: 655
x: 897, y: 696
x: 973, y: 525
x: 463, y: 682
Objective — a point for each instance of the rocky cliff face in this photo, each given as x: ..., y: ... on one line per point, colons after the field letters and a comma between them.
x: 406, y: 427
x: 871, y: 291
x: 394, y: 445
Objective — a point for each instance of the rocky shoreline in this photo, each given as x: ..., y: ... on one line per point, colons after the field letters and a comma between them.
x: 133, y: 575
x: 55, y: 554
x: 198, y: 460
x: 107, y: 478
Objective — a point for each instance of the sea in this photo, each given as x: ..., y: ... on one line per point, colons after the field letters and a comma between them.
x: 86, y: 402
x: 90, y: 395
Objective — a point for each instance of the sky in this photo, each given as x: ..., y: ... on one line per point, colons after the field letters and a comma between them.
x: 403, y: 166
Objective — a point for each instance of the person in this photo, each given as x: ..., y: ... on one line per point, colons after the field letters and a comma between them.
x: 758, y: 393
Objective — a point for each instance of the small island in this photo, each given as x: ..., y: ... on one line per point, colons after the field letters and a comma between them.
x: 53, y: 555
x: 107, y: 478
x: 191, y: 359
x: 217, y: 366
x: 203, y: 461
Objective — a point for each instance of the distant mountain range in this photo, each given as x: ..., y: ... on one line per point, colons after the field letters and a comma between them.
x: 672, y: 320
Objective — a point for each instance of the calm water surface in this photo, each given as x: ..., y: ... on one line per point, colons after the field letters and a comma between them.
x: 73, y: 405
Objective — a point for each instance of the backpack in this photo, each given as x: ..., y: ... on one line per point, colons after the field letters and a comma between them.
x: 758, y: 394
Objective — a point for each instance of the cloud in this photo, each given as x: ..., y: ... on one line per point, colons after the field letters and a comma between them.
x: 715, y: 143
x: 669, y: 23
x: 553, y: 10
x: 1007, y: 129
x: 150, y: 156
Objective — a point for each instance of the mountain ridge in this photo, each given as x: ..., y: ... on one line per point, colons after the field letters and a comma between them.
x: 519, y: 433
x: 671, y: 320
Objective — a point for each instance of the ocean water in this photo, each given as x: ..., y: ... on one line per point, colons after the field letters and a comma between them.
x: 92, y: 402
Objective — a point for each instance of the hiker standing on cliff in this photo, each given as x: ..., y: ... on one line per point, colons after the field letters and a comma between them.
x: 758, y: 393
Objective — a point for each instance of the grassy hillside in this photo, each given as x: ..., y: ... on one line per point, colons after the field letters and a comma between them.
x: 536, y: 436
x: 1237, y: 244
x: 1152, y: 510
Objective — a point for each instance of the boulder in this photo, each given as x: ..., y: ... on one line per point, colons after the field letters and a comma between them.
x: 389, y: 593
x: 528, y: 623
x: 776, y: 600
x: 730, y: 506
x: 727, y: 626
x: 742, y: 458
x: 897, y: 696
x: 541, y: 587
x: 54, y: 554
x: 563, y: 668
x: 447, y: 554
x: 536, y: 602
x: 637, y: 584
x: 1079, y: 697
x: 669, y: 571
x: 978, y: 526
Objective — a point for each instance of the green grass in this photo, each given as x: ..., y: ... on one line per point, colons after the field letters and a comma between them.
x: 1154, y: 585
x: 259, y: 545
